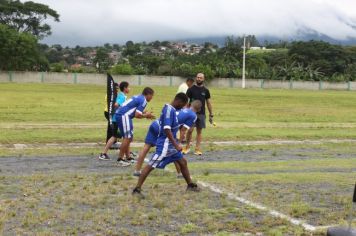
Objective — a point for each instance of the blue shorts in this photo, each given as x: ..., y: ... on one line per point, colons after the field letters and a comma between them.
x: 159, y: 161
x: 125, y: 126
x: 152, y: 134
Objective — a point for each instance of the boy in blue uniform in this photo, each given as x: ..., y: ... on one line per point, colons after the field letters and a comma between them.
x: 150, y: 141
x: 130, y: 109
x: 120, y: 99
x: 167, y: 148
x: 186, y: 119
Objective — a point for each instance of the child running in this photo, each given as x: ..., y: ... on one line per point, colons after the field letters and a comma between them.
x: 167, y: 148
x: 132, y: 108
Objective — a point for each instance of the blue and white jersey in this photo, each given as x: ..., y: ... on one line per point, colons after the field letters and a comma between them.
x: 153, y: 132
x: 167, y: 120
x: 186, y: 117
x: 137, y: 103
x: 155, y: 127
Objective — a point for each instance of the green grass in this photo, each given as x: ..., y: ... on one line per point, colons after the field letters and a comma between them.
x: 66, y: 203
x: 45, y: 113
x: 52, y: 202
x: 316, y: 190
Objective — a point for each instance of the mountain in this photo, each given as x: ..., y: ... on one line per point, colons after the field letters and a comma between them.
x: 302, y: 35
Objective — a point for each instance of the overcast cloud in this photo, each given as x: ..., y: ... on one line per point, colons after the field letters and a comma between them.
x: 94, y: 22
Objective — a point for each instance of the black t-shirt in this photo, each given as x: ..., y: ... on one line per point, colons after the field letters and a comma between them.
x: 198, y: 93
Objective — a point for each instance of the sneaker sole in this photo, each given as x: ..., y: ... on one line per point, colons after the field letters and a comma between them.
x: 124, y: 165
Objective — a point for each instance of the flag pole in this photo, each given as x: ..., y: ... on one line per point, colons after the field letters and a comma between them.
x: 244, y: 64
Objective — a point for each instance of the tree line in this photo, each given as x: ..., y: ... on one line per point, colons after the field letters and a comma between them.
x: 22, y: 26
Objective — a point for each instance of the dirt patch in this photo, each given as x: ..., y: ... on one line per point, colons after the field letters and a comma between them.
x: 267, y: 155
x: 30, y: 165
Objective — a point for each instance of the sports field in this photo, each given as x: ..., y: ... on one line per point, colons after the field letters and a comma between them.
x: 294, y: 153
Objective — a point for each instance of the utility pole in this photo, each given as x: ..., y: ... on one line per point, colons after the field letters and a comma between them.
x: 244, y: 64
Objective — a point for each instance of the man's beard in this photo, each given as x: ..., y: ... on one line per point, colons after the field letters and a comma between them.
x: 199, y: 83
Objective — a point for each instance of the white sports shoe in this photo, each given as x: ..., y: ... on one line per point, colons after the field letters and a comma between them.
x: 123, y: 163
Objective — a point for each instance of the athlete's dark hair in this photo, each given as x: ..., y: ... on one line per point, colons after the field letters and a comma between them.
x: 147, y: 91
x: 190, y: 80
x: 181, y: 97
x: 123, y: 85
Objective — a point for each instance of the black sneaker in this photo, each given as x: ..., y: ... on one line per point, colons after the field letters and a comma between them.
x: 137, y: 192
x: 104, y: 157
x: 193, y: 187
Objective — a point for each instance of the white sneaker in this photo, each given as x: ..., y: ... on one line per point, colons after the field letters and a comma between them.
x: 123, y: 163
x: 131, y: 160
x: 115, y: 146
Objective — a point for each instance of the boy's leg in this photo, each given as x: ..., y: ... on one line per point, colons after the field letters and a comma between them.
x: 185, y: 171
x: 141, y: 156
x: 199, y: 139
x: 188, y: 138
x: 177, y: 168
x: 124, y: 146
x: 110, y: 142
x: 145, y: 172
x: 127, y: 152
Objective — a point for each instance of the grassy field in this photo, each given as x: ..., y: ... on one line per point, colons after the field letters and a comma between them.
x: 81, y: 195
x: 45, y: 113
x: 101, y: 204
x: 65, y: 190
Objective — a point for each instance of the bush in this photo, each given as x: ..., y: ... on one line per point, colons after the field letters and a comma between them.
x: 83, y: 69
x: 205, y: 69
x: 56, y: 67
x: 122, y: 69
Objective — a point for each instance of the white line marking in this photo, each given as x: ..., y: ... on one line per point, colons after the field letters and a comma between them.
x: 258, y: 206
x: 219, y: 143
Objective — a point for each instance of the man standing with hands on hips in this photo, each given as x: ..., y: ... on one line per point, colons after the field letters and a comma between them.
x: 199, y: 92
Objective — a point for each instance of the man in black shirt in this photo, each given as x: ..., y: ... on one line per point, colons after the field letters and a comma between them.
x: 199, y: 92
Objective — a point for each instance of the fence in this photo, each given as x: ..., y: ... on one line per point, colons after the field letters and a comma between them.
x: 144, y: 80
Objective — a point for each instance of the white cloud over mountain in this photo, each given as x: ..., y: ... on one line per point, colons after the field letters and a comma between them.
x: 94, y: 22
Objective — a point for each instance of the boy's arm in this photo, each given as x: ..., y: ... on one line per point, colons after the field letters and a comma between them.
x: 169, y: 135
x: 147, y: 115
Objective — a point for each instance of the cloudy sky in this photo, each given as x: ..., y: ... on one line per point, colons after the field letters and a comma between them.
x: 94, y: 22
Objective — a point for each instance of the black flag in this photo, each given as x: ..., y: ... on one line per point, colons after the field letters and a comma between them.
x: 111, y: 96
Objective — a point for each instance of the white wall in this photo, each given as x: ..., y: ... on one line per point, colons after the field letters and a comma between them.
x: 145, y: 80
